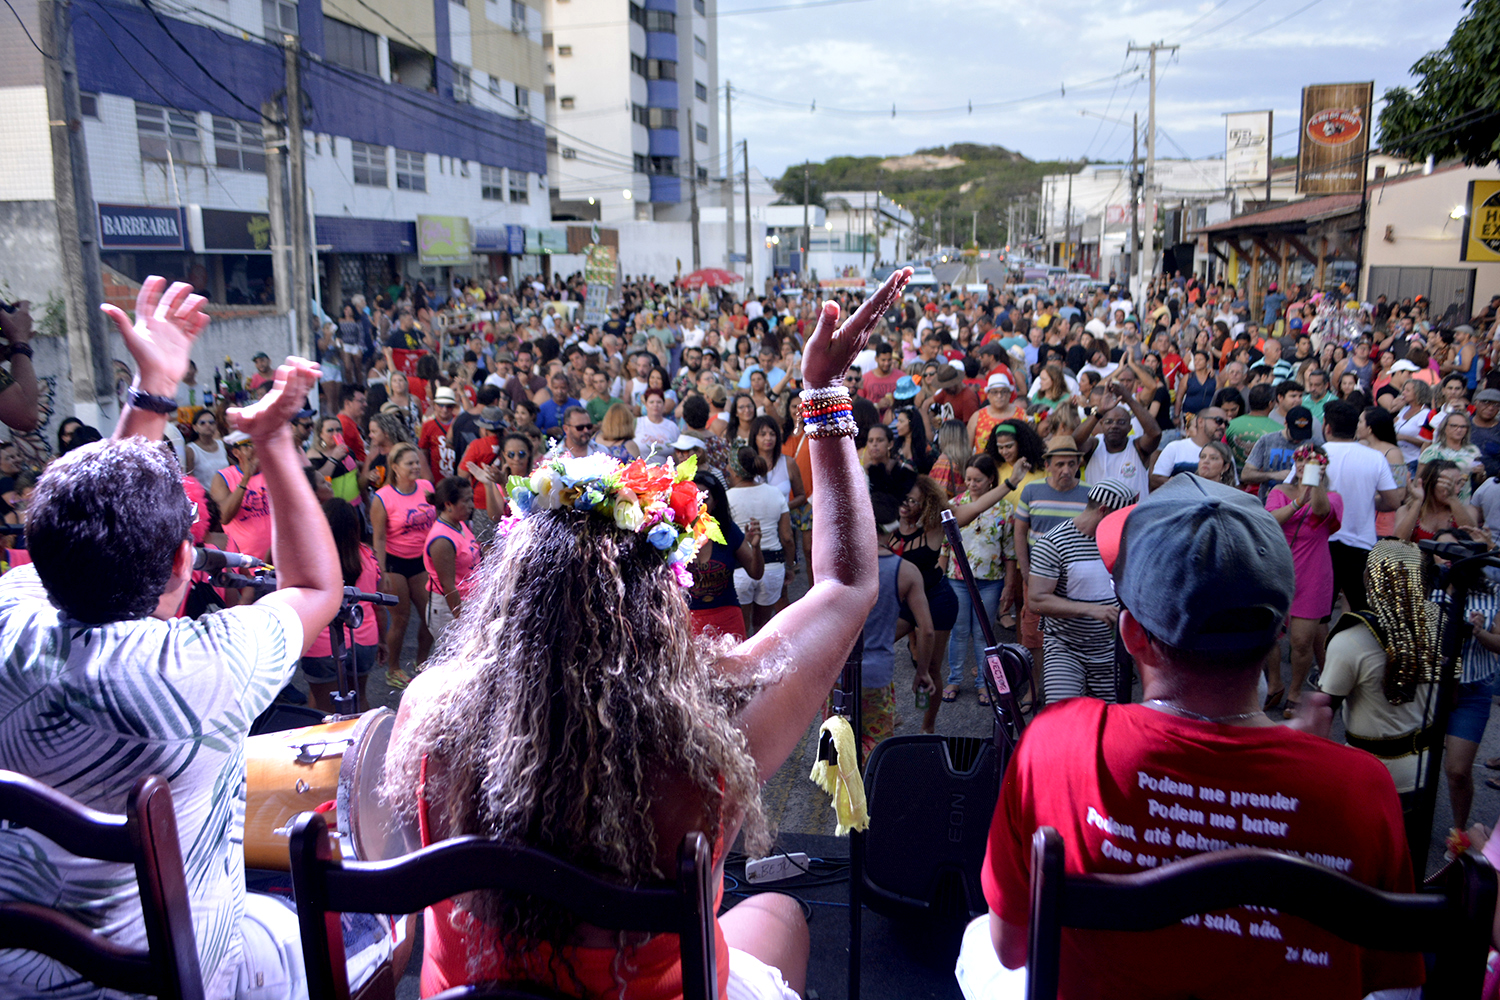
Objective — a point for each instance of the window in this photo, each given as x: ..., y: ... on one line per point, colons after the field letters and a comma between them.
x: 702, y: 175
x: 637, y: 64
x: 700, y: 47
x: 88, y: 105
x: 661, y: 20
x: 494, y: 86
x: 369, y: 164
x: 163, y: 131
x: 702, y: 132
x: 565, y: 50
x: 238, y: 145
x: 654, y: 117
x: 638, y: 14
x: 661, y: 69
x: 463, y: 84
x: 412, y: 68
x: 279, y: 17
x: 520, y: 193
x: 640, y: 115
x: 699, y: 6
x: 350, y: 47
x: 491, y: 183
x: 411, y: 171
x: 642, y: 164
x: 567, y: 103
x: 663, y: 164
x: 523, y: 101
x: 517, y: 17
x: 700, y: 91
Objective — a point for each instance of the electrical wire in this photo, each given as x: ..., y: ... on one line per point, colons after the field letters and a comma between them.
x: 22, y: 23
x: 195, y: 60
x: 1205, y: 17
x: 501, y: 30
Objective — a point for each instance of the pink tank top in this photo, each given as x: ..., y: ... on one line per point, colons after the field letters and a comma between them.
x: 250, y: 528
x: 367, y: 633
x: 407, y: 518
x: 466, y: 556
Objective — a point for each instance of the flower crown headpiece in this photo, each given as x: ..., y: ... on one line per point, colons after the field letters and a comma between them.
x: 661, y: 501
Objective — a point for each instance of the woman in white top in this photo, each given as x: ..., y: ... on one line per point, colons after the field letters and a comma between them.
x: 206, y: 454
x: 1412, y: 417
x: 751, y: 499
x: 782, y: 474
x: 655, y: 429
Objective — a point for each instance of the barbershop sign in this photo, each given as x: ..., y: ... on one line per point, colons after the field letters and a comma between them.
x: 140, y: 227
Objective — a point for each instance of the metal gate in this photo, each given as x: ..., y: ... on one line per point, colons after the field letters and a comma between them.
x: 1450, y: 290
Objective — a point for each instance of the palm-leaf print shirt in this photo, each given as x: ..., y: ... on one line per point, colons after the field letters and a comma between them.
x: 89, y: 710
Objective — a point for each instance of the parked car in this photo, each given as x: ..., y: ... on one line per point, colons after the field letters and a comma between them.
x: 922, y: 275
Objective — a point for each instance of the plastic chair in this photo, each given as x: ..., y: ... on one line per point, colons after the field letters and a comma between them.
x: 1454, y: 925
x: 326, y: 886
x: 146, y: 837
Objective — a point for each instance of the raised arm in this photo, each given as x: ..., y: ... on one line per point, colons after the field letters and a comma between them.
x: 806, y: 644
x: 308, y: 577
x: 160, y: 341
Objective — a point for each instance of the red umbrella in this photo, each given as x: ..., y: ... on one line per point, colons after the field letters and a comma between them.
x: 711, y: 277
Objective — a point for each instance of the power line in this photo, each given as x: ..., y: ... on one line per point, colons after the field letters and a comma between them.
x: 28, y: 32
x: 1204, y: 17
x: 960, y: 109
x: 196, y: 62
x: 1234, y: 17
x: 501, y: 30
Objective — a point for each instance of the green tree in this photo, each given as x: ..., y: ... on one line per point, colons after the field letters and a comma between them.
x: 1455, y: 109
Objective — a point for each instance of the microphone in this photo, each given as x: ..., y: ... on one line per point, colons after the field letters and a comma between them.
x: 213, y: 560
x: 354, y: 595
x: 1453, y: 551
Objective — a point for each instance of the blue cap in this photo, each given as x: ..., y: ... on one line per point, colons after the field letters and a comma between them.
x: 905, y: 388
x: 1201, y: 566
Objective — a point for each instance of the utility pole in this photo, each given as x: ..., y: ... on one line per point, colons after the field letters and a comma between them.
x: 729, y: 178
x: 1270, y: 135
x: 1135, y: 196
x: 864, y: 228
x: 1067, y: 253
x: 693, y: 187
x: 1148, y: 249
x: 77, y: 219
x: 297, y: 197
x: 806, y: 228
x: 749, y: 247
x: 974, y: 228
x: 270, y: 130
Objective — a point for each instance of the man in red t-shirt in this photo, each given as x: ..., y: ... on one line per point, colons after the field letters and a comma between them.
x: 949, y: 391
x: 880, y: 382
x: 1205, y: 580
x: 352, y: 420
x: 433, y: 437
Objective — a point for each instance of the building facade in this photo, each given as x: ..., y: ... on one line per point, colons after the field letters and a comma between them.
x: 633, y: 94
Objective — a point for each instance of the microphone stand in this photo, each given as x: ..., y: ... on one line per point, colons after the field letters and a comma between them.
x: 1008, y: 721
x: 846, y: 700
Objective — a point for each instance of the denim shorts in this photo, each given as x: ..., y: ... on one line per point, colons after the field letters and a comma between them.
x: 320, y: 669
x: 1471, y: 711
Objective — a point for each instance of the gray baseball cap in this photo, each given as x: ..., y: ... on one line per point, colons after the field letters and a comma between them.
x: 1202, y: 566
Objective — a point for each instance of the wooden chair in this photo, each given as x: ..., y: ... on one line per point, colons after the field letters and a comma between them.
x: 146, y: 837
x: 326, y: 887
x: 1454, y: 925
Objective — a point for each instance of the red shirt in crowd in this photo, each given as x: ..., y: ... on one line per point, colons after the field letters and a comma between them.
x: 433, y: 439
x: 1131, y: 788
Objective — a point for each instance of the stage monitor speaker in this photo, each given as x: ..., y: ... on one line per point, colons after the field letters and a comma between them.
x: 931, y: 800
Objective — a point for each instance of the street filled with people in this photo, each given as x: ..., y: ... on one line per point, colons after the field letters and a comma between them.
x: 624, y: 561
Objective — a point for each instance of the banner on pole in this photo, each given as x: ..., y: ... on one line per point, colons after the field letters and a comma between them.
x: 1334, y: 138
x: 1247, y: 147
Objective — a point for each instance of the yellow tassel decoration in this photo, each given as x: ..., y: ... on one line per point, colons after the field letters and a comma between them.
x: 842, y: 782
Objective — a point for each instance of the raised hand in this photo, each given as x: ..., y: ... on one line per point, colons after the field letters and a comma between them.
x: 161, y: 338
x: 831, y: 348
x: 275, y: 410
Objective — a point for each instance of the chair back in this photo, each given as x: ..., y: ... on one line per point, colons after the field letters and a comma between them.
x: 146, y: 837
x: 326, y: 886
x: 1454, y: 925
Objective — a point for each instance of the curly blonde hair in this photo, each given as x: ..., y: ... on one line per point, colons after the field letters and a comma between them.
x: 570, y: 687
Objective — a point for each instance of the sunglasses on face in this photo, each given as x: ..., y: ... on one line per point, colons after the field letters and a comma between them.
x: 582, y: 427
x: 515, y: 454
x: 1219, y: 420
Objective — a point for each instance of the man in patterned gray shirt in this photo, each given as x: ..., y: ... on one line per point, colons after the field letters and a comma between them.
x: 102, y: 684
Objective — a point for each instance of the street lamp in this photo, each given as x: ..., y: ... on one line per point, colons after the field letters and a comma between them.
x: 626, y: 194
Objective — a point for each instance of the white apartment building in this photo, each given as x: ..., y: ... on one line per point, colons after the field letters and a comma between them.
x: 633, y: 95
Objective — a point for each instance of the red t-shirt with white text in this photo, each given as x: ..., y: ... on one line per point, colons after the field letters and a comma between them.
x: 1131, y: 788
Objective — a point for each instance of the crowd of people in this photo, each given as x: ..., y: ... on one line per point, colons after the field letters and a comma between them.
x: 638, y: 551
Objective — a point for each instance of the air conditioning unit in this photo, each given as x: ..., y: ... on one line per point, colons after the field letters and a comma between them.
x: 568, y: 153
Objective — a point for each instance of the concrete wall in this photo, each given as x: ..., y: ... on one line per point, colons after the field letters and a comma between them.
x: 1417, y: 209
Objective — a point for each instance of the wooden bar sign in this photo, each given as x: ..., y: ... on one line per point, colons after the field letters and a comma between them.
x: 1334, y: 138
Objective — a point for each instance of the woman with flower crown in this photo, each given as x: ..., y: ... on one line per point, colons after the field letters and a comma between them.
x: 572, y: 709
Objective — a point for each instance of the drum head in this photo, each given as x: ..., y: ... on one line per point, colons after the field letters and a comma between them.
x: 367, y: 830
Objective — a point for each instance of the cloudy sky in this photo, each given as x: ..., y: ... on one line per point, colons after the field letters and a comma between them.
x: 1014, y: 58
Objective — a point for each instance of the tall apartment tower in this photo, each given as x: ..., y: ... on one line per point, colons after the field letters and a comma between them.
x: 633, y: 92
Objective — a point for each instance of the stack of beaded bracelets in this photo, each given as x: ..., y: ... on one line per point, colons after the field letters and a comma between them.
x: 828, y: 413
